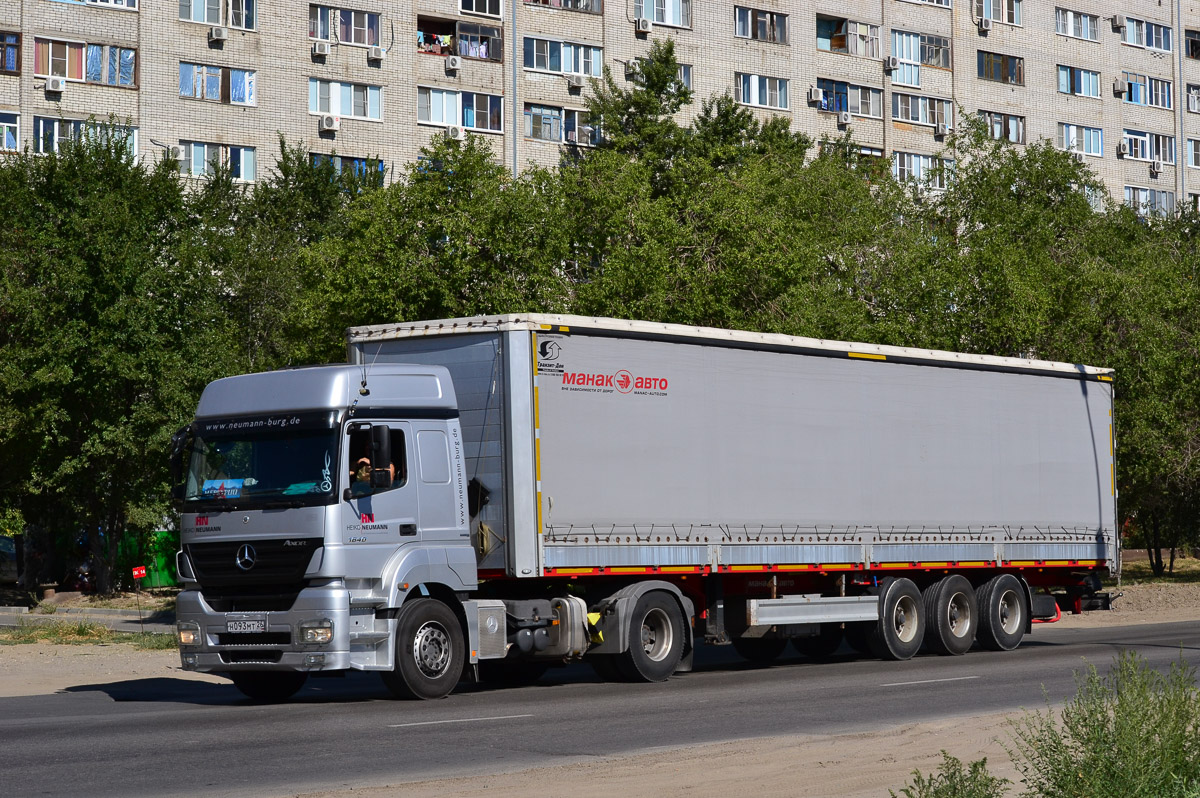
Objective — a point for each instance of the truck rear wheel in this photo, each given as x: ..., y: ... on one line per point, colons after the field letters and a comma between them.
x: 760, y: 650
x: 1003, y: 613
x: 268, y: 686
x: 951, y: 615
x: 429, y: 651
x: 901, y: 628
x: 656, y: 630
x: 823, y: 644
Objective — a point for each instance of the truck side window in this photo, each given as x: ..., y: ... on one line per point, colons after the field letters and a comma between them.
x: 358, y: 451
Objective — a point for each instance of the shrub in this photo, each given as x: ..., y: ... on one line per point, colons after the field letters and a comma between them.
x: 953, y: 781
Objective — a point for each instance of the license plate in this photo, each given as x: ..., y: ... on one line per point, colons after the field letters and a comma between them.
x: 242, y: 627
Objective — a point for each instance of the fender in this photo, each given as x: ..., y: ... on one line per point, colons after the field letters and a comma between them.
x: 413, y: 565
x: 617, y: 606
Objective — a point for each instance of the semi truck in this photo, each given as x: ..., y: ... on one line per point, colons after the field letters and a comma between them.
x: 500, y: 494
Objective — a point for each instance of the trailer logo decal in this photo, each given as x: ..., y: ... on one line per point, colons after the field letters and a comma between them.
x: 368, y: 518
x: 621, y: 381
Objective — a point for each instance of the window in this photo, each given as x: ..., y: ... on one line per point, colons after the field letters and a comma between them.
x: 10, y: 53
x: 765, y: 26
x: 542, y: 122
x: 1191, y: 43
x: 576, y: 129
x: 348, y: 100
x: 113, y: 3
x: 1150, y: 146
x: 350, y: 27
x: 1004, y: 126
x: 1145, y: 90
x: 1193, y: 149
x: 837, y: 35
x: 685, y: 75
x: 241, y: 14
x: 202, y: 158
x: 907, y: 48
x: 50, y: 134
x: 58, y: 59
x: 467, y: 39
x: 1001, y: 68
x: 1150, y: 35
x: 1077, y: 138
x: 437, y: 106
x: 665, y: 12
x: 922, y: 110
x: 943, y: 3
x: 1149, y: 202
x: 360, y: 166
x: 760, y: 90
x: 999, y: 10
x: 10, y: 132
x: 590, y: 6
x: 217, y: 84
x: 858, y: 100
x: 1076, y: 25
x: 576, y: 59
x: 935, y: 51
x: 482, y: 111
x: 489, y: 7
x: 1193, y: 98
x: 1083, y: 82
x: 206, y: 11
x: 922, y: 169
x: 112, y: 65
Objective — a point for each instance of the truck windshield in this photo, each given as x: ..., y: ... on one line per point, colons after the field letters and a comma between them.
x: 262, y: 462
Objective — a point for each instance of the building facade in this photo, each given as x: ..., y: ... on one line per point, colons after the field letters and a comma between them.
x: 202, y: 81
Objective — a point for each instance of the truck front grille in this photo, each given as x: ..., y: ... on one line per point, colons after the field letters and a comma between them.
x: 254, y: 639
x: 251, y: 655
x: 240, y: 563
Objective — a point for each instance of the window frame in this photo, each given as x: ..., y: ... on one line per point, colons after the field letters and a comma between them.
x: 760, y: 25
x: 1070, y: 20
x: 664, y: 12
x: 840, y: 95
x: 15, y: 125
x: 778, y: 87
x: 470, y: 7
x: 1072, y: 73
x: 991, y: 118
x: 15, y: 47
x: 221, y: 6
x: 1011, y: 68
x: 1081, y: 135
x: 318, y: 87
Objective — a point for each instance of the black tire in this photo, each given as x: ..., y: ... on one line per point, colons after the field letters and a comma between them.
x: 268, y: 686
x: 656, y: 643
x: 760, y: 650
x: 1003, y: 613
x: 951, y: 615
x: 900, y: 631
x: 429, y: 651
x: 858, y: 636
x: 823, y: 645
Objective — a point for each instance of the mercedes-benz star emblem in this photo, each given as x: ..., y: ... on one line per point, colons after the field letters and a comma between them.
x: 246, y: 557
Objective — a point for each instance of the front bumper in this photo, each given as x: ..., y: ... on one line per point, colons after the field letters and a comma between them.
x: 278, y: 646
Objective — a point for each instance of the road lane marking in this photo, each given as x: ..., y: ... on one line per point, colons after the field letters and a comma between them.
x: 929, y: 681
x: 456, y: 720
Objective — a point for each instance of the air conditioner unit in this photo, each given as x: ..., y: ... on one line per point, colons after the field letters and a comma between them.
x: 320, y: 48
x: 941, y: 129
x: 56, y: 84
x: 218, y: 34
x: 633, y: 70
x: 455, y: 132
x: 844, y: 118
x: 815, y: 95
x: 891, y: 63
x: 453, y: 63
x: 329, y: 122
x: 985, y: 24
x: 375, y: 53
x: 1122, y: 148
x: 1120, y: 86
x: 644, y: 25
x: 575, y: 81
x: 176, y: 152
x: 1078, y: 156
x: 1156, y: 167
x: 1118, y: 22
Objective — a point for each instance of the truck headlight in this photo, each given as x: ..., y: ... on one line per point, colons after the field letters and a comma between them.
x: 187, y: 633
x: 319, y: 632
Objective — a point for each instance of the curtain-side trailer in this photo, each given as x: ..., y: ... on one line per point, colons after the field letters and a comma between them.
x: 549, y: 488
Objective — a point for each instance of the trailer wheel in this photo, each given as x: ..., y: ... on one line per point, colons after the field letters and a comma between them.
x: 268, y: 686
x: 429, y: 651
x: 951, y: 615
x: 760, y: 650
x: 823, y: 644
x: 1002, y: 613
x: 858, y: 636
x: 656, y: 631
x: 901, y: 628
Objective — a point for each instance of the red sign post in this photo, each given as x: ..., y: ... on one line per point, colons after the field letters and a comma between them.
x: 139, y: 572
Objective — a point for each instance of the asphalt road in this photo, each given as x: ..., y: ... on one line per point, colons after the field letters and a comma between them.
x: 165, y: 737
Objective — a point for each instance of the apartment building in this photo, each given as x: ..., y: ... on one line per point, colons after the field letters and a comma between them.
x: 201, y: 81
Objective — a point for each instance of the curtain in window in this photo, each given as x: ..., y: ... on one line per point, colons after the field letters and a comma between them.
x: 237, y: 86
x: 95, y: 63
x: 128, y: 59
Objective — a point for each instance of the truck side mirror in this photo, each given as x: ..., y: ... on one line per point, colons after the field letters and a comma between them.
x: 181, y: 443
x: 381, y: 457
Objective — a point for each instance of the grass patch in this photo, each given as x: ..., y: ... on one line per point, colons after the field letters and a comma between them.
x: 1136, y: 572
x: 81, y: 633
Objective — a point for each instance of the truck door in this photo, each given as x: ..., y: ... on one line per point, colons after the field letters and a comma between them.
x: 377, y: 515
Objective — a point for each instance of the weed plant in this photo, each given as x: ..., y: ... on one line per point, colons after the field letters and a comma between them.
x: 952, y: 780
x: 80, y: 633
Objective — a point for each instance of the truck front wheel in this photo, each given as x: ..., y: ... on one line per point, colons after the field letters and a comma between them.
x: 429, y: 651
x: 656, y: 631
x: 268, y: 686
